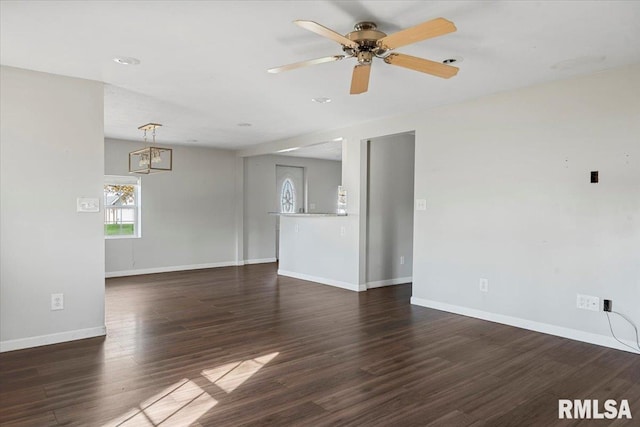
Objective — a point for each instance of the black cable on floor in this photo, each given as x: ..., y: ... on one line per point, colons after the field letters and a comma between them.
x: 631, y: 323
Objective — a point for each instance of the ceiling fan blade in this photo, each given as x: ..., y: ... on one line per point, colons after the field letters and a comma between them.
x: 326, y: 32
x: 422, y: 65
x: 426, y: 30
x: 305, y: 63
x: 360, y: 79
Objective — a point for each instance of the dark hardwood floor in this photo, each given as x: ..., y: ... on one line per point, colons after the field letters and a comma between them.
x: 240, y: 346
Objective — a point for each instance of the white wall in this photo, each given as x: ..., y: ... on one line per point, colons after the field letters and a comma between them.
x: 320, y: 249
x: 188, y: 214
x: 506, y: 179
x: 390, y: 210
x: 51, y: 151
x: 323, y: 178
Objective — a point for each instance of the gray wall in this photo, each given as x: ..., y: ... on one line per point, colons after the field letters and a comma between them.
x: 188, y: 214
x: 506, y: 180
x: 390, y: 209
x: 323, y: 178
x: 51, y: 151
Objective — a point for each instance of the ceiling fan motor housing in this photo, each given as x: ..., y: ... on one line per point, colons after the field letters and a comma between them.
x: 367, y: 36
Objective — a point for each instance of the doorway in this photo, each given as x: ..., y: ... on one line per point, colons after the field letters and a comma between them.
x: 290, y: 194
x: 390, y: 193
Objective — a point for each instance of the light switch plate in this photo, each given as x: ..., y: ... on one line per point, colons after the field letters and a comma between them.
x: 421, y: 204
x: 588, y: 302
x: 88, y: 204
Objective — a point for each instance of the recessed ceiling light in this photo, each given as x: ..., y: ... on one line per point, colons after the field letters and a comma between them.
x: 322, y: 100
x: 453, y: 60
x: 126, y: 61
x: 244, y: 125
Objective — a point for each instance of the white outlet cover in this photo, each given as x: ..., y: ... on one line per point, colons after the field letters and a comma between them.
x: 57, y: 301
x: 421, y: 204
x: 484, y: 285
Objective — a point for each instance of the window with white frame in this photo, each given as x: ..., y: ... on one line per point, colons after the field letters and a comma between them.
x: 121, y: 207
x: 288, y: 197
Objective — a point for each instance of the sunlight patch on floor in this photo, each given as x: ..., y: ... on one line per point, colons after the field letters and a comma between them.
x: 178, y: 405
x: 182, y: 403
x: 230, y: 376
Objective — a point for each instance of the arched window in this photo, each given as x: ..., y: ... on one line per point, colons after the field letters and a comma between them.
x: 288, y: 197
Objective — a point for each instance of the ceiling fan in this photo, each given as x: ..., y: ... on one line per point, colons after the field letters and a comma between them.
x: 366, y: 43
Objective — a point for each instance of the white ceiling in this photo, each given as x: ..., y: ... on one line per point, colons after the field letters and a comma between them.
x: 203, y: 63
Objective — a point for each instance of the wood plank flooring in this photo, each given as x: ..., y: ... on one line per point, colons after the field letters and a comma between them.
x: 241, y: 346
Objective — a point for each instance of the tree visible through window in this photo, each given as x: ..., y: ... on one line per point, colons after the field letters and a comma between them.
x: 121, y: 206
x: 287, y: 197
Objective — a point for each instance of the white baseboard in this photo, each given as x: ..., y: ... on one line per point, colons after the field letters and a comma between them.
x: 531, y: 325
x: 389, y: 282
x: 78, y: 334
x: 259, y: 261
x: 169, y: 269
x: 324, y: 281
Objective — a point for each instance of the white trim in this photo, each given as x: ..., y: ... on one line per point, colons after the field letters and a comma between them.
x: 122, y: 179
x: 78, y: 334
x: 259, y: 261
x: 140, y: 271
x: 123, y: 273
x: 389, y: 282
x: 531, y: 325
x: 324, y: 281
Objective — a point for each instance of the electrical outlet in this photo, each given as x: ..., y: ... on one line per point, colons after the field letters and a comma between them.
x: 402, y: 260
x: 484, y: 285
x: 343, y: 230
x: 296, y: 228
x: 588, y: 302
x: 57, y: 301
x: 421, y: 204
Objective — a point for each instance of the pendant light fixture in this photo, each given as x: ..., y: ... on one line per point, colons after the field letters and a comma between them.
x: 150, y: 159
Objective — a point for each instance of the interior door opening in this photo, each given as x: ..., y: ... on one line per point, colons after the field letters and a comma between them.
x: 290, y: 193
x: 390, y: 194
